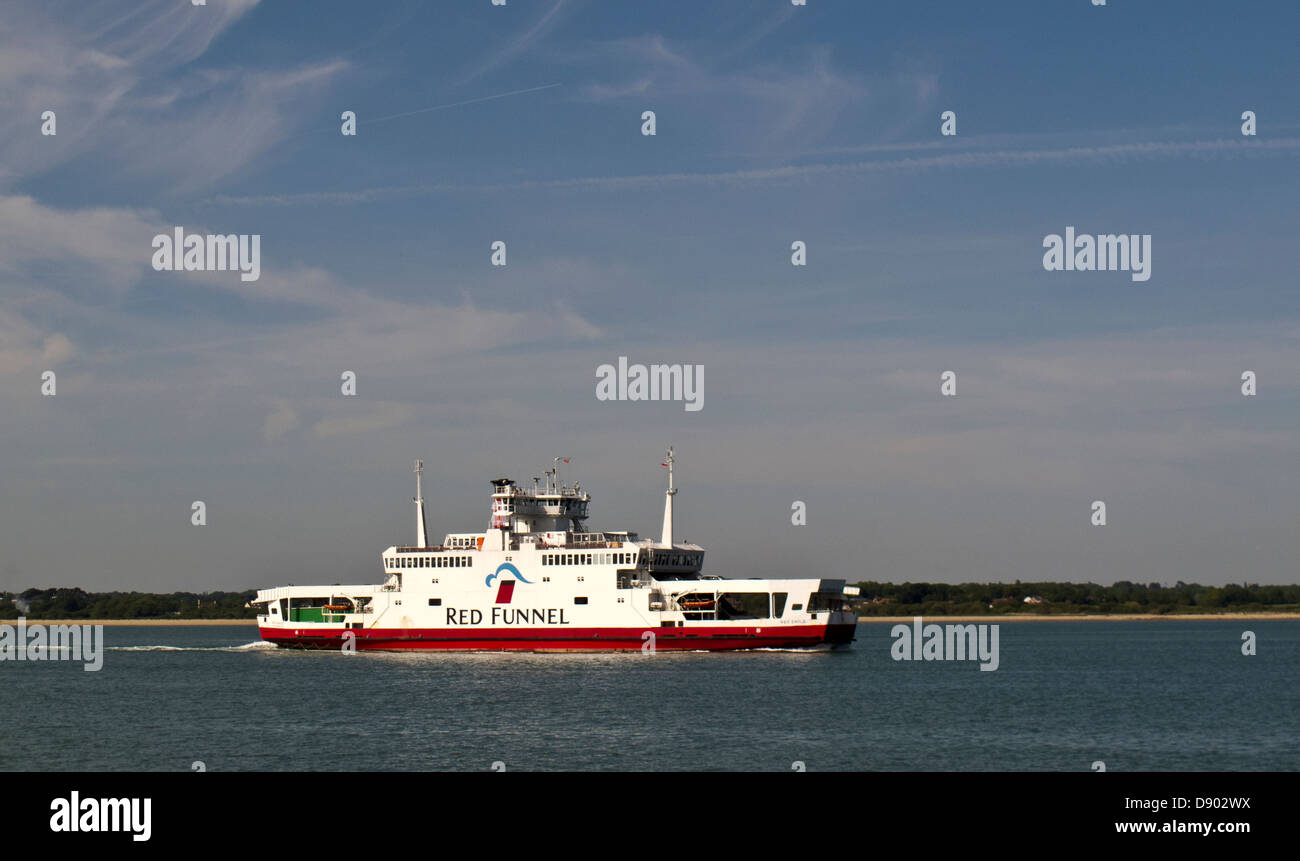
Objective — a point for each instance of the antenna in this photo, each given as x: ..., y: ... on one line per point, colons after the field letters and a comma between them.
x: 421, y: 534
x: 667, y: 538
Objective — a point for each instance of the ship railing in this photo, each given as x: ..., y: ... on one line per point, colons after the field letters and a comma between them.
x: 594, y: 539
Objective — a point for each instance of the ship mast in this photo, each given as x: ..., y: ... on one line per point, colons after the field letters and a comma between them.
x: 421, y: 535
x: 667, y: 539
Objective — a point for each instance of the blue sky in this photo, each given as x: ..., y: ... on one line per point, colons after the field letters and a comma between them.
x: 775, y: 123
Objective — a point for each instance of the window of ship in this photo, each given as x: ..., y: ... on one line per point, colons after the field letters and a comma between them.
x: 822, y: 603
x: 697, y: 606
x: 778, y: 603
x: 796, y: 607
x: 579, y: 600
x: 435, y: 602
x: 744, y: 605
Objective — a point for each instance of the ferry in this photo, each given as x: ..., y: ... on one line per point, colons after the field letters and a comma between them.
x: 537, y: 579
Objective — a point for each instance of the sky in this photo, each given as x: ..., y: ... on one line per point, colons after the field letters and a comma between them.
x: 522, y: 123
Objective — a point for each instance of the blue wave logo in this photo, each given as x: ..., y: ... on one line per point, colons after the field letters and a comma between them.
x: 506, y: 566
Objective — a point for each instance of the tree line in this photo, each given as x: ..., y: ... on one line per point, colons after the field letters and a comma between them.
x: 876, y: 599
x: 74, y: 603
x: 990, y: 599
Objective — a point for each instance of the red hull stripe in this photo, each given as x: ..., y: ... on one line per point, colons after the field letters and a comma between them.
x: 553, y: 639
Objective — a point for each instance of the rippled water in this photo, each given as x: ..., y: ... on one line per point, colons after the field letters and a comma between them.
x: 1162, y: 695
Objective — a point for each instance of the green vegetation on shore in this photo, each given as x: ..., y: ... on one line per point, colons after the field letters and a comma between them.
x: 1051, y: 599
x: 877, y: 599
x: 78, y: 604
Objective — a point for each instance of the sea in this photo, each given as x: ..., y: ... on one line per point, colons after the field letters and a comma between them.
x: 1165, y: 695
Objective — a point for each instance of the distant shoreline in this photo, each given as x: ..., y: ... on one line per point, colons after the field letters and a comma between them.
x: 1088, y: 617
x: 1114, y: 617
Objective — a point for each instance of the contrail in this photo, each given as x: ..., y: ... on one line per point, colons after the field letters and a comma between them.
x: 980, y: 159
x: 458, y: 104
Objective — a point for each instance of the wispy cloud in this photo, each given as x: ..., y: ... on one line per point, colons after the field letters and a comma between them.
x: 516, y: 46
x: 126, y: 88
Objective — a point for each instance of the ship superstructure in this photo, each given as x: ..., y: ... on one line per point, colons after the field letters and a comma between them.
x: 538, y: 579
